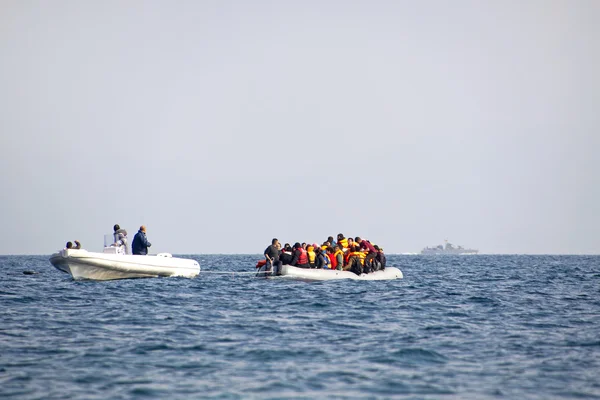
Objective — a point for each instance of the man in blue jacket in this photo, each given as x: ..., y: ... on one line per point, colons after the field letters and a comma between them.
x: 140, y: 242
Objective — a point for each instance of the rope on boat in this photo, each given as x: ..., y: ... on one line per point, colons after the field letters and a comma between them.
x: 228, y: 272
x: 260, y: 274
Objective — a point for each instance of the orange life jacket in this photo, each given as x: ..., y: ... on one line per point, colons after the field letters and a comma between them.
x: 303, y: 258
x: 333, y: 261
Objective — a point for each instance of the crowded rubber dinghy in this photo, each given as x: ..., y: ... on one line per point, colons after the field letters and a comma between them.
x: 343, y: 258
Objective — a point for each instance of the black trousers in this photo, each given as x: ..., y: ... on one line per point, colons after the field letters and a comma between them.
x: 277, y: 264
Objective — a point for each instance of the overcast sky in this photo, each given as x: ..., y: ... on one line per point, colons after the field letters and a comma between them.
x: 222, y: 124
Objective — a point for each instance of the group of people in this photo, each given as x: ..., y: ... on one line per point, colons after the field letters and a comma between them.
x: 140, y: 243
x: 139, y: 246
x: 71, y: 246
x: 346, y: 254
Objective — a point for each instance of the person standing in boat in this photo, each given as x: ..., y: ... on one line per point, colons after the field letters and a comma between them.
x: 272, y: 256
x: 120, y: 237
x: 140, y: 243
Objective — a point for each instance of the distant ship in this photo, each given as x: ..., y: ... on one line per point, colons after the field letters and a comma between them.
x: 448, y: 248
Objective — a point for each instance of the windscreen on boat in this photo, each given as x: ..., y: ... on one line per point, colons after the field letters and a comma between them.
x: 108, y: 239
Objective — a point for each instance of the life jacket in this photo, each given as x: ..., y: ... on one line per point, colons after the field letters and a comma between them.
x: 303, y: 258
x: 360, y: 255
x: 332, y: 260
x: 260, y: 263
x: 343, y: 243
x: 326, y: 260
x: 311, y: 255
x: 336, y: 254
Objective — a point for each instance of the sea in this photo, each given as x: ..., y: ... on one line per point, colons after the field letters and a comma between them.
x: 455, y: 327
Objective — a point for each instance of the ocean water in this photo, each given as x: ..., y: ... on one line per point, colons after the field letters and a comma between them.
x: 456, y: 327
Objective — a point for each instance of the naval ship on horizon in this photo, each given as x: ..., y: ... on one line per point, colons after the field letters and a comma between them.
x: 448, y: 248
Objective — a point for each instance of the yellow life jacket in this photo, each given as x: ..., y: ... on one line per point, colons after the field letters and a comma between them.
x: 312, y: 256
x: 359, y: 254
x: 343, y: 243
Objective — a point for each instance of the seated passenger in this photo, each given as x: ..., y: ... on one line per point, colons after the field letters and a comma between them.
x: 380, y: 257
x: 69, y: 245
x: 368, y: 248
x: 299, y: 257
x: 350, y: 243
x: 322, y: 260
x: 310, y: 250
x: 331, y: 241
x: 286, y: 254
x: 338, y: 256
x: 354, y: 260
x: 342, y: 242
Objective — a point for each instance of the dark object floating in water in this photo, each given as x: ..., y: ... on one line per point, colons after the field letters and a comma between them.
x: 30, y: 272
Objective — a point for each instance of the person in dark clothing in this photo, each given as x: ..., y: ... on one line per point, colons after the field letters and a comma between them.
x: 332, y: 242
x: 140, y: 243
x: 286, y: 254
x: 71, y: 247
x: 372, y: 253
x: 320, y: 261
x: 272, y: 255
x: 299, y: 257
x: 380, y: 257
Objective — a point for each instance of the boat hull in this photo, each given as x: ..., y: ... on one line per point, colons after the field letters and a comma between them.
x: 314, y: 274
x: 81, y: 264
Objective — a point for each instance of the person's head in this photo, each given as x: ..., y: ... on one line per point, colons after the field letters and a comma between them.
x: 274, y: 241
x: 278, y: 246
x: 340, y: 236
x: 376, y: 247
x: 69, y: 245
x: 330, y: 250
x: 336, y: 247
x: 350, y: 242
x: 297, y: 245
x: 287, y: 247
x: 310, y: 248
x: 143, y: 228
x: 357, y: 239
x: 330, y: 239
x: 304, y: 245
x: 116, y: 227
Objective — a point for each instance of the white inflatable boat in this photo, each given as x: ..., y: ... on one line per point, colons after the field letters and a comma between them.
x: 113, y: 264
x: 313, y: 274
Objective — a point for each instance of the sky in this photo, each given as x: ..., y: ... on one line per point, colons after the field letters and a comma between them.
x: 223, y: 124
